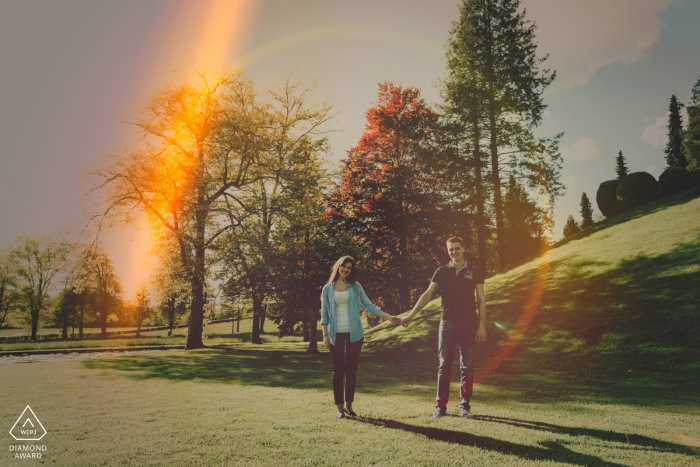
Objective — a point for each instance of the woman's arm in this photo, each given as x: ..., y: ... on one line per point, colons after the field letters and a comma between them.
x: 325, y: 318
x: 373, y: 309
x: 326, y: 338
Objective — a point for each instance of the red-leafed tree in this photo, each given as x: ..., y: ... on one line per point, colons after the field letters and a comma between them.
x: 392, y: 195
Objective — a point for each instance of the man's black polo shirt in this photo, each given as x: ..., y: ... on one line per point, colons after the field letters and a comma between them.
x: 458, y: 291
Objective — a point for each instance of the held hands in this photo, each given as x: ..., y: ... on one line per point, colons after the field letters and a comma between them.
x: 396, y: 320
x: 406, y: 320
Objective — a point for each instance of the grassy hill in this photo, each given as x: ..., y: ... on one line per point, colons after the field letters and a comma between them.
x: 595, y: 363
x: 613, y: 312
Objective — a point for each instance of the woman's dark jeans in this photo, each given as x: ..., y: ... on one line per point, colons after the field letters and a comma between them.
x: 345, y: 366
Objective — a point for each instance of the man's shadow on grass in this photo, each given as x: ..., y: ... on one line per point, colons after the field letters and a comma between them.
x: 547, y: 451
x: 603, y: 435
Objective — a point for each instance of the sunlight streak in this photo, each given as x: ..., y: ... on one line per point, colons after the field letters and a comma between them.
x: 526, y: 315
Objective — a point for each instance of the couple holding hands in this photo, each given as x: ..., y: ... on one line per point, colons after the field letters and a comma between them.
x: 458, y: 282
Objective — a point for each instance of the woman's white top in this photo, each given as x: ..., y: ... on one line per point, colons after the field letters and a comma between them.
x: 342, y: 320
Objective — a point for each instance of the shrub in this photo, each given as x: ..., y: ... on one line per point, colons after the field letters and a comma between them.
x: 636, y: 189
x: 694, y: 178
x: 606, y: 198
x: 674, y: 179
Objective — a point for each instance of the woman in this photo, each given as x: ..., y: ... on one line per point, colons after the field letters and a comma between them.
x: 342, y: 329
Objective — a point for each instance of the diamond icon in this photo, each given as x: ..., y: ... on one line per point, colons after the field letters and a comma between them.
x: 28, y: 427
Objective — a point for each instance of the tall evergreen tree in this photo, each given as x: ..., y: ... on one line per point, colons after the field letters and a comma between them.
x: 621, y: 169
x: 497, y: 50
x: 523, y: 222
x: 571, y: 227
x: 465, y: 106
x: 586, y: 212
x: 675, y: 154
x: 691, y: 136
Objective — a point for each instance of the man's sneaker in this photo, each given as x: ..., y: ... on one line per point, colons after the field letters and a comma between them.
x: 465, y: 413
x: 438, y: 413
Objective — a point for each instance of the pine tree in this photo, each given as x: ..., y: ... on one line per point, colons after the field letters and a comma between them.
x: 523, y: 222
x: 571, y: 227
x: 675, y: 154
x: 621, y: 169
x: 586, y: 212
x: 496, y: 48
x: 691, y: 136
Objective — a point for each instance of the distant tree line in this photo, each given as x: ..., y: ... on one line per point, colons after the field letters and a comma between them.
x: 682, y: 156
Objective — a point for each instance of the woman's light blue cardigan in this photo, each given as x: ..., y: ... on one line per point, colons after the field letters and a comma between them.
x: 356, y: 297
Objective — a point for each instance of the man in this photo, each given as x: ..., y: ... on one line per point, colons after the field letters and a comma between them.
x: 459, y: 323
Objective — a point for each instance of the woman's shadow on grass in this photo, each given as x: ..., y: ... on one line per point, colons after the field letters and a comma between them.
x: 547, y: 451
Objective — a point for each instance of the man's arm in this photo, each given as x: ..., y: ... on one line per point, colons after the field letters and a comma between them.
x: 422, y: 301
x: 481, y: 302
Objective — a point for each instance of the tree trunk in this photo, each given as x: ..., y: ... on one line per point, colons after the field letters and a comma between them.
x: 497, y: 201
x: 305, y: 328
x: 171, y: 316
x: 238, y: 324
x: 262, y: 319
x: 35, y: 324
x: 104, y: 312
x: 81, y: 323
x: 478, y: 180
x: 404, y: 283
x: 64, y: 334
x: 196, y: 327
x: 313, y: 325
x: 257, y: 314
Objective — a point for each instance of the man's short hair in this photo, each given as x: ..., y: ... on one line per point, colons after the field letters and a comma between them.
x: 456, y: 240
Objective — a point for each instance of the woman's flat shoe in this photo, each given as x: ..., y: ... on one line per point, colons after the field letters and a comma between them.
x: 349, y: 413
x: 341, y: 415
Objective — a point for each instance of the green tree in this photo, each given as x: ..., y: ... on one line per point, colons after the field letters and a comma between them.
x: 465, y: 109
x: 36, y: 263
x: 392, y: 195
x: 288, y: 170
x: 199, y: 147
x: 571, y: 227
x: 523, y: 222
x: 9, y: 293
x: 307, y: 247
x: 99, y: 277
x: 171, y: 284
x: 66, y: 309
x: 586, y: 212
x: 140, y: 309
x: 691, y: 136
x: 621, y: 168
x: 675, y: 153
x: 492, y: 48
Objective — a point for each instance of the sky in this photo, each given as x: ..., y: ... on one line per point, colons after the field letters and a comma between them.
x: 74, y: 72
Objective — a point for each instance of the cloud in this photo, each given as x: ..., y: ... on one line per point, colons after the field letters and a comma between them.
x: 656, y: 134
x: 584, y: 36
x: 582, y: 150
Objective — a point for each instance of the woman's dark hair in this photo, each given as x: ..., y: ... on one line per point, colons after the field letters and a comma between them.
x: 343, y: 260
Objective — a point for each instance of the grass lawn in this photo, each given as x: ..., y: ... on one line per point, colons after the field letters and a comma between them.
x: 272, y: 405
x: 594, y: 362
x: 217, y: 334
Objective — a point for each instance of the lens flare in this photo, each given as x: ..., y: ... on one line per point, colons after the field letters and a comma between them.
x: 221, y: 34
x: 524, y: 320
